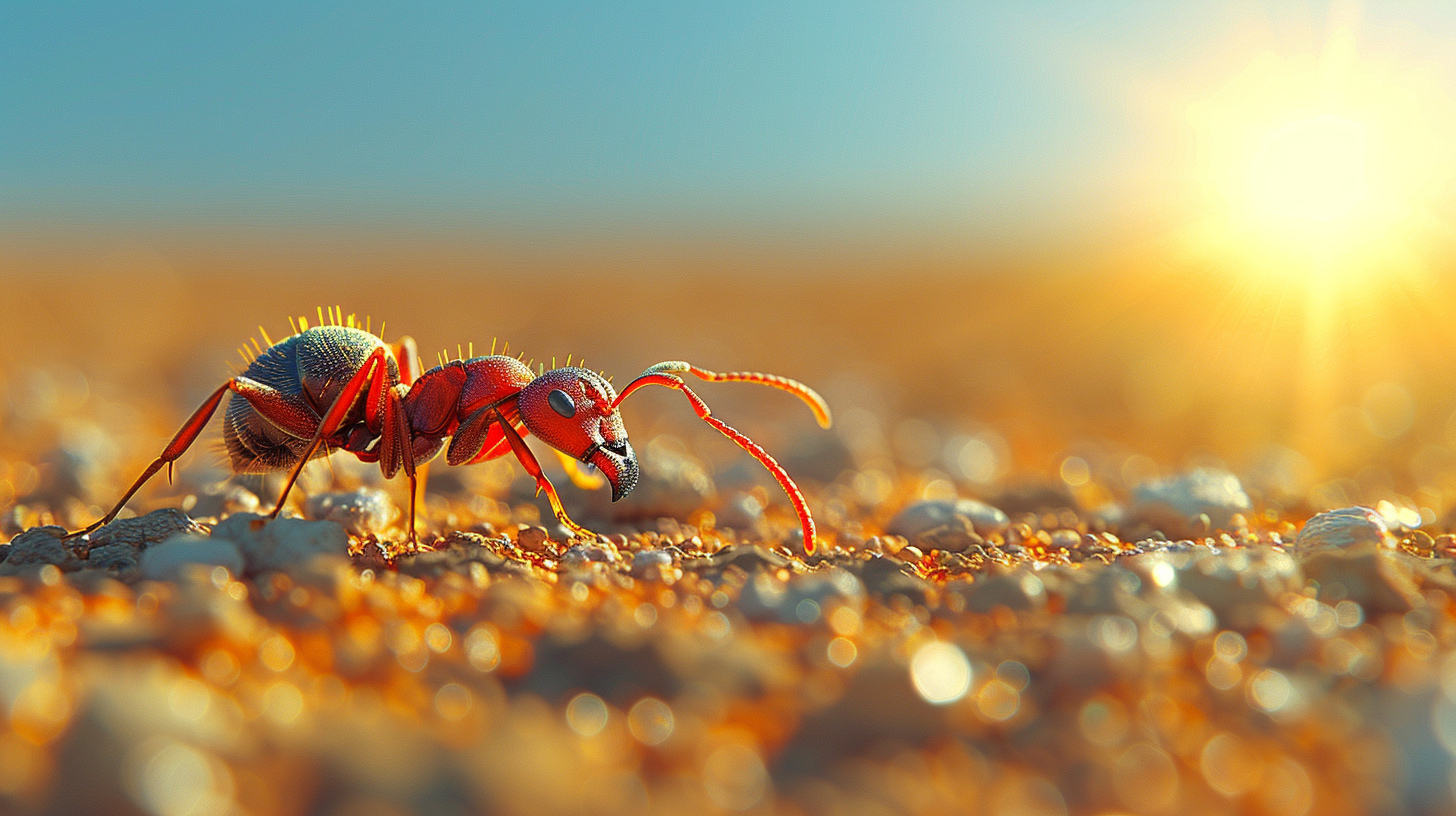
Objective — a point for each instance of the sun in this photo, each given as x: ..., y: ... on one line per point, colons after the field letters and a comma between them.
x: 1311, y: 169
x: 1324, y: 162
x: 1323, y: 191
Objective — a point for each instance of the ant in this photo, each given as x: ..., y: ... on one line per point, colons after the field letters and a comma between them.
x: 337, y: 385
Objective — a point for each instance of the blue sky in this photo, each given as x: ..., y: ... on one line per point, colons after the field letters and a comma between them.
x: 542, y: 111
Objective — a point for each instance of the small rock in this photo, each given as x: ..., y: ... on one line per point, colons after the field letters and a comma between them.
x: 362, y: 511
x: 956, y: 537
x: 38, y: 547
x: 651, y: 564
x: 117, y: 547
x: 584, y: 553
x: 223, y: 499
x: 1422, y: 542
x: 457, y: 553
x: 1174, y: 504
x: 1112, y: 590
x: 747, y: 557
x: 168, y: 560
x: 886, y: 576
x: 910, y: 553
x: 1346, y: 529
x: 1378, y: 579
x: 950, y: 526
x: 801, y: 599
x: 532, y: 539
x: 1017, y: 591
x: 1236, y: 585
x: 289, y: 545
x: 139, y: 532
x: 114, y: 548
x: 1066, y: 539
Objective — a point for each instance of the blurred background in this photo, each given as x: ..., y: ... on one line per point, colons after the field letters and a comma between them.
x: 1086, y: 244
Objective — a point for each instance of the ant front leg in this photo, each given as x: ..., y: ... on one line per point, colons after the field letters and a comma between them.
x: 533, y: 467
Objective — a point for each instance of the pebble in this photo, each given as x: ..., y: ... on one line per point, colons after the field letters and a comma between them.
x: 1112, y: 590
x: 1008, y: 589
x: 1174, y: 504
x: 584, y: 553
x: 910, y: 554
x: 885, y: 576
x: 114, y: 548
x: 169, y: 560
x: 801, y: 599
x: 363, y: 511
x: 294, y: 546
x: 1066, y: 539
x: 158, y: 525
x: 949, y: 526
x: 1349, y: 528
x: 37, y: 547
x: 1379, y: 580
x: 1237, y: 586
x: 651, y: 564
x: 747, y: 557
x: 223, y: 499
x: 457, y: 553
x: 532, y: 539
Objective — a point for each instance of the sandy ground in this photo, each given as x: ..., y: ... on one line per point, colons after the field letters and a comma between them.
x: 1067, y: 565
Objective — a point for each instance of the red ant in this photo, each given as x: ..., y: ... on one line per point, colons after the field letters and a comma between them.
x: 339, y: 386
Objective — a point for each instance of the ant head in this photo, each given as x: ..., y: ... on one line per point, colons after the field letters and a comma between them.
x: 570, y: 409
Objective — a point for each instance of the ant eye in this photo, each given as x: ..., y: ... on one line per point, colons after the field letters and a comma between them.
x: 561, y: 403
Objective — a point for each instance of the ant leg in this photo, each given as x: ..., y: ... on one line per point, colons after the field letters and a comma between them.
x: 476, y: 439
x: 373, y: 373
x: 810, y: 397
x: 396, y: 449
x: 533, y: 467
x: 410, y: 369
x: 179, y: 445
x: 422, y: 473
x: 288, y: 413
x: 795, y: 496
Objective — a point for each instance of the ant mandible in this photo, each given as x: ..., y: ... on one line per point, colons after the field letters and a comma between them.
x: 338, y: 386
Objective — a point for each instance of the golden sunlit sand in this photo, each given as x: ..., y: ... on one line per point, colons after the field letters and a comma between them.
x: 1141, y: 630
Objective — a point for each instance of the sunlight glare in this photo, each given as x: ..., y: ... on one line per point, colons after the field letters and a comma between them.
x: 1325, y: 167
x: 1311, y: 169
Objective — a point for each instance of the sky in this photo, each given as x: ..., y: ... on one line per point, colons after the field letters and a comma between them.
x: 1031, y: 116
